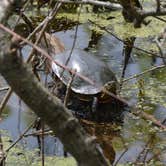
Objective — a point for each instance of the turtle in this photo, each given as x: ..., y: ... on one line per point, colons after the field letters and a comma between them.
x: 90, y: 66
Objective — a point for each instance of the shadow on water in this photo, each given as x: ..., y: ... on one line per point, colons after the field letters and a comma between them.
x: 129, y: 135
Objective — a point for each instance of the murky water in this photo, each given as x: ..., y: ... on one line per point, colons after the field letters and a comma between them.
x: 134, y: 132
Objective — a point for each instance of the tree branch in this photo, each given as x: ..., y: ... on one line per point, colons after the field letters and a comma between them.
x: 110, y: 5
x: 133, y: 12
x: 20, y: 77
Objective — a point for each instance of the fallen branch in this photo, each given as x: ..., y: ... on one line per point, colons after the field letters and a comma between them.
x: 144, y: 72
x: 149, y: 117
x: 109, y: 5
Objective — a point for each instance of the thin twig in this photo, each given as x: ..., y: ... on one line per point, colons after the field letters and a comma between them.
x: 74, y: 41
x: 39, y: 132
x: 123, y: 153
x: 142, y: 156
x: 160, y: 50
x: 110, y: 5
x: 159, y: 18
x: 4, y: 89
x: 144, y: 72
x: 149, y: 117
x: 20, y: 137
x: 111, y: 33
x: 127, y: 49
x: 47, y: 21
x: 68, y: 89
x: 5, y: 100
x: 142, y: 152
x: 8, y: 94
x: 21, y: 13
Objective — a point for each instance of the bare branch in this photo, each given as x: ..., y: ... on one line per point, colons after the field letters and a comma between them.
x: 144, y: 72
x: 50, y: 109
x: 109, y: 5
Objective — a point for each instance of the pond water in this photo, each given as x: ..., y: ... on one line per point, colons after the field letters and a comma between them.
x: 135, y: 132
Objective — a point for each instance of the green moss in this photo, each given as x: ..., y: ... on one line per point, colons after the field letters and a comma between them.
x: 59, y: 161
x: 21, y: 156
x: 118, y: 25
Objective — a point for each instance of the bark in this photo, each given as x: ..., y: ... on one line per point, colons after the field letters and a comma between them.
x: 133, y: 12
x: 129, y: 9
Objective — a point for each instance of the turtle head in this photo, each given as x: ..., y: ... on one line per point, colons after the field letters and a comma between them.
x: 111, y: 86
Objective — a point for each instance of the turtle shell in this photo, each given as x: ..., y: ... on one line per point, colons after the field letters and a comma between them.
x: 86, y: 64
